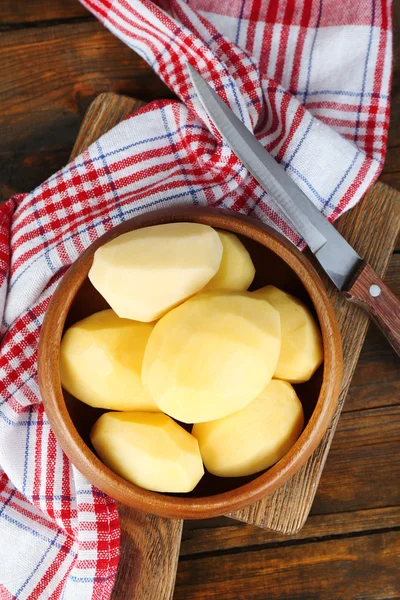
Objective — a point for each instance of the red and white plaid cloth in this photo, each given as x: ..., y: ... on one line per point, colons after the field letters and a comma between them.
x: 312, y: 79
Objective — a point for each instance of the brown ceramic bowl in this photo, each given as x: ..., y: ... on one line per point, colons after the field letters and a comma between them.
x: 277, y: 262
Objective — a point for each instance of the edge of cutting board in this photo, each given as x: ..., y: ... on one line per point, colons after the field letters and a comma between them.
x: 374, y: 219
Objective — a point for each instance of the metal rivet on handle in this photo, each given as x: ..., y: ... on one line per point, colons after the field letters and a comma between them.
x: 375, y: 290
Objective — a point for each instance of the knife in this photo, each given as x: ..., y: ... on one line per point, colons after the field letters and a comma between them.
x: 349, y: 272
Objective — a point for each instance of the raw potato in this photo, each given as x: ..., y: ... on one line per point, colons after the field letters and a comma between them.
x: 148, y: 449
x: 144, y: 273
x: 236, y: 271
x: 255, y: 437
x: 212, y: 355
x: 101, y: 361
x: 302, y: 349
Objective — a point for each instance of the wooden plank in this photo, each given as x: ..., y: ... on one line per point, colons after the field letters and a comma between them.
x: 149, y: 544
x: 67, y: 65
x: 23, y: 170
x: 203, y: 540
x: 374, y: 219
x: 14, y: 11
x: 149, y: 556
x: 363, y: 467
x: 391, y: 171
x: 38, y: 168
x: 102, y: 115
x: 345, y: 568
x: 392, y: 277
x: 49, y: 77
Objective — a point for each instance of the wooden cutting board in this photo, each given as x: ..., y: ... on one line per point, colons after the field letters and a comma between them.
x: 149, y: 544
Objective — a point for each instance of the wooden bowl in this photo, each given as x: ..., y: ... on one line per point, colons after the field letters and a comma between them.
x: 277, y: 262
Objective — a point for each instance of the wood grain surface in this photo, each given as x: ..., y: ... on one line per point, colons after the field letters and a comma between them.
x: 228, y: 536
x: 69, y: 65
x: 99, y: 118
x: 40, y: 116
x: 346, y: 568
x: 149, y: 544
x: 149, y: 556
x: 23, y: 13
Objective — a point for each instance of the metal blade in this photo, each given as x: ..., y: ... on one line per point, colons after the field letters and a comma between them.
x: 336, y: 256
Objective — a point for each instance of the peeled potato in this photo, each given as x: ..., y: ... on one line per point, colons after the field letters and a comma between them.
x: 212, y: 355
x: 148, y: 449
x: 255, y: 437
x: 101, y: 362
x: 144, y: 273
x: 236, y: 271
x: 302, y: 349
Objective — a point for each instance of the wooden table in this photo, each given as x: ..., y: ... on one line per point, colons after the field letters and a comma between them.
x: 55, y: 58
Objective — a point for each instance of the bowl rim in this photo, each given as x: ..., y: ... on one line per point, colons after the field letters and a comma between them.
x: 178, y: 506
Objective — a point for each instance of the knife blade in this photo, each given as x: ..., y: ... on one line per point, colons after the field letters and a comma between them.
x: 340, y: 261
x: 336, y: 256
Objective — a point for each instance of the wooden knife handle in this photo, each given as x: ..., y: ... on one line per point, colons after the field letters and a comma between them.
x: 368, y: 291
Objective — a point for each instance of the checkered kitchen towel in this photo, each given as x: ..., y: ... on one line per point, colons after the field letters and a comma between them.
x: 312, y: 79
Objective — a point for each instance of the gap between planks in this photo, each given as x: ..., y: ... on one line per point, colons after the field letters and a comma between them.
x: 231, y: 538
x: 364, y: 566
x: 44, y: 24
x: 37, y: 11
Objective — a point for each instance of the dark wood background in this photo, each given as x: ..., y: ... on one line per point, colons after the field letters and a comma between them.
x: 54, y: 60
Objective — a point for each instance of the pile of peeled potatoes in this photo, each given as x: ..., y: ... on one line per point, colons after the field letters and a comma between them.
x: 192, y: 369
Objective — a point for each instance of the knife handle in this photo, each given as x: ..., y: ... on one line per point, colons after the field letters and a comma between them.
x: 368, y: 291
